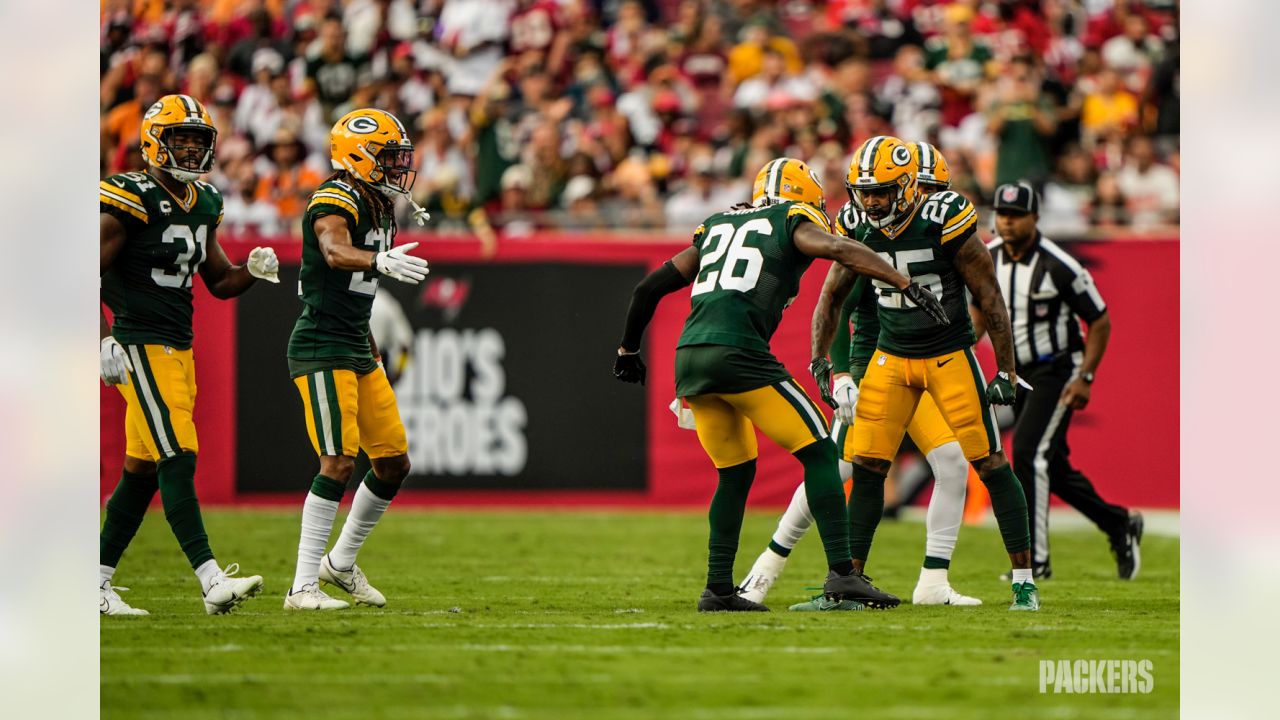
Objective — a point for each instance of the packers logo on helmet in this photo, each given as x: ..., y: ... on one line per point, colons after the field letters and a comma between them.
x: 178, y: 137
x: 373, y: 146
x: 883, y: 163
x: 932, y: 174
x: 787, y: 179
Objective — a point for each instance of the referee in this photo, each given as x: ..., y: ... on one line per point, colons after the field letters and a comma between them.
x: 1048, y: 293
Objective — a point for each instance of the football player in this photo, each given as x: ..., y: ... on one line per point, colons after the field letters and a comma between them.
x: 348, y: 238
x: 929, y: 432
x: 157, y: 230
x: 745, y: 266
x: 933, y: 241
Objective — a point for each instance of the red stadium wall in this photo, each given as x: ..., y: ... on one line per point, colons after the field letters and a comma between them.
x: 1127, y: 441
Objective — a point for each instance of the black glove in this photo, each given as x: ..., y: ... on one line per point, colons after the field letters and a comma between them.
x: 629, y: 368
x: 926, y: 301
x: 820, y: 368
x: 1001, y: 391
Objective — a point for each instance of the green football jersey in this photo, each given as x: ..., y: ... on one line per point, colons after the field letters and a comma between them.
x: 333, y: 329
x: 861, y: 307
x: 148, y: 286
x: 924, y: 250
x: 749, y: 272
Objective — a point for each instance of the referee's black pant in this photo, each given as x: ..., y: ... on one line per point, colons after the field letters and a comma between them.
x: 1041, y: 457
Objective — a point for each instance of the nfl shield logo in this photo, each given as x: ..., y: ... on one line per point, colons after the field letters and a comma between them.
x: 1010, y: 194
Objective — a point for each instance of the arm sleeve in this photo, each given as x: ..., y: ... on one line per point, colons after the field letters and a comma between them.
x: 644, y: 300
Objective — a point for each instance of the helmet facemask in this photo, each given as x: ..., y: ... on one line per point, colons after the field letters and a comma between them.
x: 394, y: 174
x: 175, y: 156
x: 900, y: 206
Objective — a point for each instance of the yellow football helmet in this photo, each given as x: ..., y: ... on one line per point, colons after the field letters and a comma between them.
x: 932, y: 174
x: 178, y: 137
x: 883, y: 162
x: 787, y: 179
x: 373, y: 146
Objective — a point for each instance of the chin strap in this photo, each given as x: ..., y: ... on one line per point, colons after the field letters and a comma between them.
x: 420, y: 213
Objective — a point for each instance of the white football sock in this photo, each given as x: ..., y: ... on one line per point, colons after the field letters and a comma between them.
x: 946, y: 506
x: 1022, y: 575
x: 317, y: 523
x: 795, y: 522
x: 366, y: 510
x: 933, y: 576
x: 105, y: 573
x: 207, y: 571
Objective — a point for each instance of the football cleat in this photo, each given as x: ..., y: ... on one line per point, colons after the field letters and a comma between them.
x: 111, y: 603
x: 710, y: 602
x: 1125, y: 548
x: 764, y: 573
x: 940, y: 594
x: 856, y: 586
x: 353, y: 582
x: 227, y: 591
x: 1025, y: 597
x: 822, y: 603
x: 311, y: 597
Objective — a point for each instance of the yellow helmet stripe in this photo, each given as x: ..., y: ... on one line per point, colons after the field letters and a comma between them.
x: 868, y: 161
x: 773, y: 182
x: 396, y: 121
x: 193, y: 109
x: 926, y: 157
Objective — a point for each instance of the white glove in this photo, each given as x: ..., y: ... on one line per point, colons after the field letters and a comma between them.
x: 113, y: 364
x: 846, y: 395
x: 395, y: 264
x: 264, y: 265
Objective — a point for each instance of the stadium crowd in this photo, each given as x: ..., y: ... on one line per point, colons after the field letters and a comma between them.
x: 633, y: 115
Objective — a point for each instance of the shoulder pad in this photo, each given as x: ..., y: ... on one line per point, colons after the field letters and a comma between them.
x: 810, y: 213
x: 336, y: 194
x: 127, y: 192
x: 952, y: 212
x: 848, y: 219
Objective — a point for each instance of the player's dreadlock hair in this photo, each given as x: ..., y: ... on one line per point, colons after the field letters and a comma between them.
x: 380, y: 206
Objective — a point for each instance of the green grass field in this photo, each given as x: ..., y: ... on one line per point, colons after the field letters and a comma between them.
x: 590, y: 615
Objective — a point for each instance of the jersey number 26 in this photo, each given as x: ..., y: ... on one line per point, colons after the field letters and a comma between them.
x: 731, y: 263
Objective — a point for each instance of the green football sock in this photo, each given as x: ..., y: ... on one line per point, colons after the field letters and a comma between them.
x: 866, y: 507
x: 181, y: 509
x: 125, y: 511
x: 825, y: 491
x: 725, y: 518
x: 1010, y: 506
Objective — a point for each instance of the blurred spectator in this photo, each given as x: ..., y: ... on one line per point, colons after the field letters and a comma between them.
x: 772, y: 84
x: 1109, y: 106
x: 699, y: 198
x: 244, y: 212
x: 1150, y: 189
x: 1022, y: 119
x: 619, y: 113
x: 1068, y: 196
x: 286, y: 180
x: 332, y: 72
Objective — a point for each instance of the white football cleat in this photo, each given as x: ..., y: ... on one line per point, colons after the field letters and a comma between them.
x: 227, y: 591
x: 940, y: 595
x: 112, y: 604
x: 353, y: 582
x: 311, y: 597
x: 764, y: 573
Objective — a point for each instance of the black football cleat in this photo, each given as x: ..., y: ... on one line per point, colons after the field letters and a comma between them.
x: 1125, y: 546
x: 857, y: 587
x: 710, y: 602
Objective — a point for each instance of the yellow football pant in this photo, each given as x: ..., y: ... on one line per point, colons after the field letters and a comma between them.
x: 927, y: 430
x: 890, y: 393
x: 346, y: 413
x: 783, y: 411
x: 160, y: 399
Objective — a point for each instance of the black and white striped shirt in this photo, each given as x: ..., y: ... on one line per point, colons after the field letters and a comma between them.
x: 1047, y: 293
